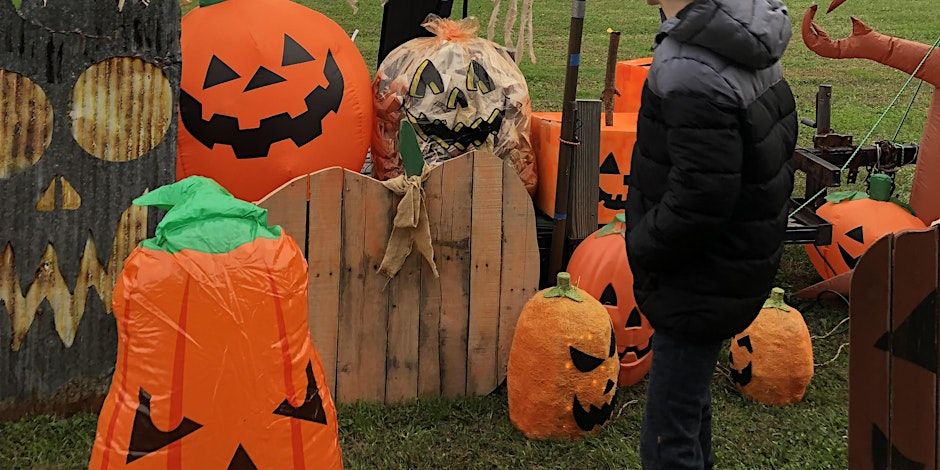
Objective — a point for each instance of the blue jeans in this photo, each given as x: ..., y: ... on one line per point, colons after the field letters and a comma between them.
x: 677, y: 428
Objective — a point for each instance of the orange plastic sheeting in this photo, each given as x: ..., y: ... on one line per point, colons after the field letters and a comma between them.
x: 614, y: 159
x: 271, y: 90
x: 216, y: 368
x: 925, y: 194
x: 631, y: 75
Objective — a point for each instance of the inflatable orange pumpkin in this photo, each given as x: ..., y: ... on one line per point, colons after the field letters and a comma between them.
x: 270, y: 90
x: 772, y: 360
x: 858, y: 221
x: 599, y: 266
x: 215, y: 364
x: 562, y: 365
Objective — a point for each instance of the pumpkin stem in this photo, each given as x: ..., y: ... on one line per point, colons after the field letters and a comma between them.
x: 776, y: 300
x: 564, y: 289
x: 205, y: 3
x: 614, y: 226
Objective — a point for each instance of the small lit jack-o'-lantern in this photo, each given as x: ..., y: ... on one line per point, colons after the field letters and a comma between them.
x: 210, y: 374
x: 562, y: 365
x: 599, y: 266
x: 271, y: 90
x: 858, y: 221
x: 772, y: 360
x: 460, y: 92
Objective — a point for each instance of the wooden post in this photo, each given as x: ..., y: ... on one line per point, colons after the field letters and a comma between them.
x: 568, y: 143
x: 585, y: 171
x: 610, y: 87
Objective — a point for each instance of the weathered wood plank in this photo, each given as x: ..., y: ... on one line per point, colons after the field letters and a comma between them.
x: 912, y: 342
x: 870, y: 312
x: 520, y: 267
x: 429, y: 326
x: 453, y: 251
x: 585, y: 173
x: 404, y: 312
x: 288, y: 207
x: 364, y: 307
x: 485, y: 262
x: 324, y: 265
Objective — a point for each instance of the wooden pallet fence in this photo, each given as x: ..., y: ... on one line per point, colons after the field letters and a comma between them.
x: 416, y: 335
x: 893, y: 382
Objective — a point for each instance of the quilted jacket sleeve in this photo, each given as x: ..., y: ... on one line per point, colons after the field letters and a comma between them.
x: 705, y: 150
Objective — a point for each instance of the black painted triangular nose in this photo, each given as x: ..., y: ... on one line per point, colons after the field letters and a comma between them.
x: 264, y: 77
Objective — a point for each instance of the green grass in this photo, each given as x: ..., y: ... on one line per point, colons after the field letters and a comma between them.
x: 475, y: 433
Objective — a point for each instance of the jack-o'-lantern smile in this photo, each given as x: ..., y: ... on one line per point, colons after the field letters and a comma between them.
x: 256, y: 142
x: 461, y: 136
x: 591, y: 416
x: 610, y: 169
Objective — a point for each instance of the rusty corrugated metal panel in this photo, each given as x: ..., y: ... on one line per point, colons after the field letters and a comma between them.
x: 110, y: 80
x: 25, y: 123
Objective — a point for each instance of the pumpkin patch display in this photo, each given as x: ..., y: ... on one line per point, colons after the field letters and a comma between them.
x: 562, y: 365
x: 614, y: 159
x: 599, y: 266
x: 461, y: 93
x: 858, y: 220
x: 772, y: 360
x: 271, y: 90
x: 215, y: 365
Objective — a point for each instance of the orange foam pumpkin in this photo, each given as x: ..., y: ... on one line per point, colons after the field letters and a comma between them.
x: 215, y: 365
x: 599, y: 266
x: 562, y: 365
x: 772, y: 360
x: 858, y: 221
x: 271, y: 90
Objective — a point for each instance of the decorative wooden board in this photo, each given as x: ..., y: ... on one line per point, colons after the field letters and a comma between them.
x: 87, y: 100
x: 418, y: 335
x: 893, y: 381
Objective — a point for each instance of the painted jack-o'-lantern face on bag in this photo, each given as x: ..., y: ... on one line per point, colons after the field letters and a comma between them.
x: 599, y: 266
x: 563, y: 365
x: 271, y: 90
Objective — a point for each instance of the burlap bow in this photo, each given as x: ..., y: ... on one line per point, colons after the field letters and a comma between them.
x: 411, y: 226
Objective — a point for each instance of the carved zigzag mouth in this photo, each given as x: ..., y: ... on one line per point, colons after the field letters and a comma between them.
x: 587, y: 419
x: 462, y: 136
x: 640, y: 353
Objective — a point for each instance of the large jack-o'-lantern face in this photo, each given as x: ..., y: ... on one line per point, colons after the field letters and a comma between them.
x: 586, y: 414
x: 270, y: 90
x: 599, y: 266
x: 613, y: 185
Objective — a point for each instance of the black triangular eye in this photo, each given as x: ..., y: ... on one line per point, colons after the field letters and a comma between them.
x: 609, y: 296
x: 610, y: 167
x: 146, y: 437
x: 426, y: 77
x: 264, y: 77
x: 613, y: 344
x: 294, y: 53
x: 218, y: 73
x: 634, y: 320
x: 584, y: 362
x: 745, y: 342
x: 478, y: 78
x: 857, y: 234
x: 312, y: 407
x: 456, y: 99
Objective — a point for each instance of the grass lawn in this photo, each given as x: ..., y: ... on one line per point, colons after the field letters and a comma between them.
x: 475, y: 433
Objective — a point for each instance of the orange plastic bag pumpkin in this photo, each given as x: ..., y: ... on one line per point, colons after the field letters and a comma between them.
x: 271, y: 90
x: 215, y: 365
x: 461, y: 93
x: 599, y: 266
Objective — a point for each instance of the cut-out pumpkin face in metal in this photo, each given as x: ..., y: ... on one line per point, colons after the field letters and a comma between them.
x: 563, y: 365
x: 271, y: 90
x: 210, y: 374
x: 858, y: 221
x: 460, y: 92
x: 599, y: 266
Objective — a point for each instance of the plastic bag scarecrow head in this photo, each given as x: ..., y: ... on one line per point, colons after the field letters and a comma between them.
x: 271, y: 90
x: 460, y: 92
x: 215, y: 364
x: 563, y: 365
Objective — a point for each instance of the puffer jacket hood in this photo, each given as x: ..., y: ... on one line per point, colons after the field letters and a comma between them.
x: 750, y: 33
